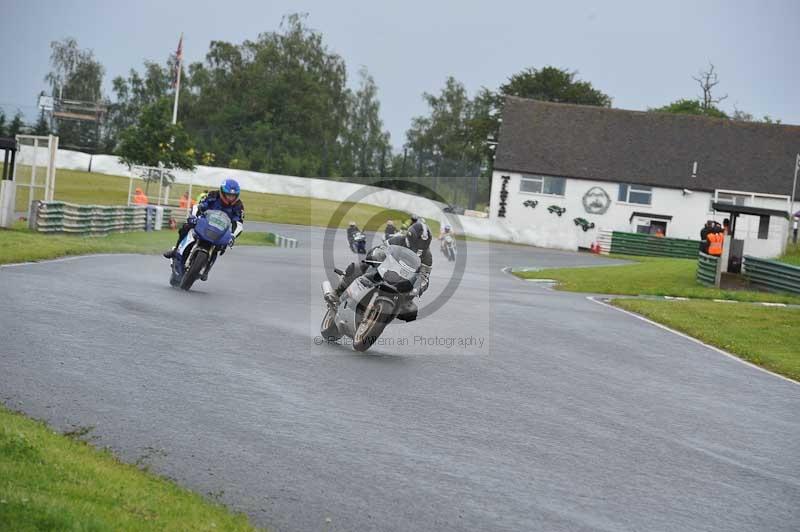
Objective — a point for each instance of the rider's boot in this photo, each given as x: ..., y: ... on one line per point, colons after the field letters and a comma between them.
x: 170, y: 253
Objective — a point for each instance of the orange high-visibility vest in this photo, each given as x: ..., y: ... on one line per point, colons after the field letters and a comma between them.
x: 715, y: 243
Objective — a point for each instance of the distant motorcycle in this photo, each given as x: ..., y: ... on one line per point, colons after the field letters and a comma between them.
x: 449, y: 247
x: 359, y: 243
x: 385, y: 292
x: 198, y: 251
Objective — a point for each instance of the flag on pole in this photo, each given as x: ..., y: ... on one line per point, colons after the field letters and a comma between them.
x: 178, y: 61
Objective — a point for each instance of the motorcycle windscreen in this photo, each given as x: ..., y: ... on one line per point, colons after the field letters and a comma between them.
x: 215, y: 227
x: 399, y: 268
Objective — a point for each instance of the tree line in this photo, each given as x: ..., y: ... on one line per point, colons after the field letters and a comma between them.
x: 280, y: 104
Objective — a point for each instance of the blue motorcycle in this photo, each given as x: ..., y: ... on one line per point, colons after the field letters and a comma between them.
x: 198, y: 251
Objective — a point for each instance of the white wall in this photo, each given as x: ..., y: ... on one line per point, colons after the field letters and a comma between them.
x: 689, y: 213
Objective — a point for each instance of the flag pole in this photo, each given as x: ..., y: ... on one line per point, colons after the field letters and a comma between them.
x: 179, y: 57
x: 794, y: 184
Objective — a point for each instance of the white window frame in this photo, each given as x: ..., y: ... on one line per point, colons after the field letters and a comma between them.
x: 750, y: 198
x: 642, y: 189
x: 541, y: 179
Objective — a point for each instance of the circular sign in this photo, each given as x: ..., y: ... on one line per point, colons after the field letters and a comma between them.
x: 596, y: 201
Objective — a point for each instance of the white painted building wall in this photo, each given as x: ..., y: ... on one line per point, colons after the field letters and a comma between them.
x: 689, y: 213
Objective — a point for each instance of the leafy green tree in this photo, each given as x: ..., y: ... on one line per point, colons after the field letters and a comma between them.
x: 42, y: 127
x: 134, y: 93
x: 365, y: 144
x: 2, y: 124
x: 551, y: 84
x: 16, y: 125
x: 155, y: 141
x: 278, y: 104
x: 691, y: 107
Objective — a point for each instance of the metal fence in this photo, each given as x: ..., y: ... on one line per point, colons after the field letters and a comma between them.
x: 647, y: 245
x: 707, y: 269
x: 62, y: 217
x: 772, y: 275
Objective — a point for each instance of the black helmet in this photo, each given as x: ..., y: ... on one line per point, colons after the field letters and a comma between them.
x: 418, y: 237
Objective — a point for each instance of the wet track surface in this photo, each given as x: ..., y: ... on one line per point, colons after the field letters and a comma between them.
x: 513, y: 407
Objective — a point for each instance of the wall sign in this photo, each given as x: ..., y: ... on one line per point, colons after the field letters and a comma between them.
x: 596, y: 201
x: 584, y: 224
x: 532, y: 203
x: 501, y: 212
x: 557, y: 210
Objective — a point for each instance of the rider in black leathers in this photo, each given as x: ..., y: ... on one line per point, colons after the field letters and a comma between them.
x: 417, y: 239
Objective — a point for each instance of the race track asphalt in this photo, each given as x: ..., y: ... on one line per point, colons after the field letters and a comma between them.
x: 512, y: 407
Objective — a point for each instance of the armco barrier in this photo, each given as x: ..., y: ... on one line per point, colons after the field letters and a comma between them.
x: 772, y: 274
x: 282, y: 241
x: 707, y: 269
x: 653, y: 246
x: 62, y: 217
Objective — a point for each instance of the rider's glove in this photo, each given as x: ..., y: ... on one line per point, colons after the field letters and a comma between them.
x: 233, y: 239
x: 191, y: 219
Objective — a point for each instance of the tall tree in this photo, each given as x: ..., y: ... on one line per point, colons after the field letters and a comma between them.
x: 76, y: 75
x: 276, y: 104
x: 16, y: 125
x: 708, y: 79
x: 155, y: 141
x: 553, y: 84
x: 42, y: 127
x: 134, y: 93
x: 2, y: 124
x: 365, y: 143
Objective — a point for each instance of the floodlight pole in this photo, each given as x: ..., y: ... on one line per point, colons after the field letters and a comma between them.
x: 177, y: 82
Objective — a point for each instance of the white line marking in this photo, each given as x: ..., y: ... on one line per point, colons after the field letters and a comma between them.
x: 695, y: 340
x: 67, y: 259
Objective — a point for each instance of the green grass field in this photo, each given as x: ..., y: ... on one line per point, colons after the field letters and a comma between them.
x: 766, y: 336
x: 100, y: 189
x: 648, y: 276
x: 792, y: 255
x: 53, y: 482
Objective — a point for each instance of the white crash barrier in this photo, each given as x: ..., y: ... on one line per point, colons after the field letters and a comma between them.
x: 209, y: 176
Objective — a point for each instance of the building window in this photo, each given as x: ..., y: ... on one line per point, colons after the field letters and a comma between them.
x: 763, y: 227
x: 728, y: 199
x: 635, y: 194
x: 542, y: 184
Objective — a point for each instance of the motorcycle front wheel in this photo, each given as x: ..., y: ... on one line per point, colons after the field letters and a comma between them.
x: 372, y: 325
x: 198, y: 263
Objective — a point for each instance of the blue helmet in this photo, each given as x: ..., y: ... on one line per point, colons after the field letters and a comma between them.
x: 229, y: 191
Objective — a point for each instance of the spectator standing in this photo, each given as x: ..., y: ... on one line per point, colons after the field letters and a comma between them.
x: 139, y: 197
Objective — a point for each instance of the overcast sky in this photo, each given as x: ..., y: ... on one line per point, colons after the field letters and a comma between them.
x: 642, y: 54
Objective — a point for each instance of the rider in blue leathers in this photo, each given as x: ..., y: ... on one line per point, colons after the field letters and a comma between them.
x: 226, y: 199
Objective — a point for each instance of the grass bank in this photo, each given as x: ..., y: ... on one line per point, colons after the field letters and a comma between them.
x: 52, y: 482
x: 766, y: 336
x: 100, y: 189
x: 22, y: 245
x: 792, y: 255
x: 647, y: 276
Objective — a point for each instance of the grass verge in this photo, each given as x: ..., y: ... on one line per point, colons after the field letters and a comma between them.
x: 647, y: 276
x: 766, y: 336
x: 51, y: 482
x: 23, y: 245
x: 792, y: 255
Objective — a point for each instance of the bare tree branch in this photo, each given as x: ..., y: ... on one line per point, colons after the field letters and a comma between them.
x: 708, y: 79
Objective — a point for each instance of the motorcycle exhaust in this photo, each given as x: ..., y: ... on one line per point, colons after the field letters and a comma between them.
x: 327, y: 290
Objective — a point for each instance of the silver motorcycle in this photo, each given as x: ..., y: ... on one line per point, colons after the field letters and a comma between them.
x: 384, y: 292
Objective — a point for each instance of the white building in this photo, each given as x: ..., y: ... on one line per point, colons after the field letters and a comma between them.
x: 570, y: 171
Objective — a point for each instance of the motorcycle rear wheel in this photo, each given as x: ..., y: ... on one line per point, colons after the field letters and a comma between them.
x: 371, y: 326
x: 198, y: 263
